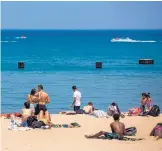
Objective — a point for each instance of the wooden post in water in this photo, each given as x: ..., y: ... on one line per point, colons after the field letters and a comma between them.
x: 21, y: 65
x: 98, y: 64
x: 146, y: 61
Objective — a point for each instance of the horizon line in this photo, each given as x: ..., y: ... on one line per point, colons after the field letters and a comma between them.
x: 80, y: 29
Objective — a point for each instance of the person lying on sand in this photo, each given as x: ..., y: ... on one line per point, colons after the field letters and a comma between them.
x: 88, y: 109
x: 118, y: 130
x: 157, y: 131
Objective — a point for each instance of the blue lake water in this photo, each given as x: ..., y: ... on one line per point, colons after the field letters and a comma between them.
x: 58, y: 59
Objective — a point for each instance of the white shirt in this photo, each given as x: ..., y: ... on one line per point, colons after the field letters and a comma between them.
x: 77, y: 95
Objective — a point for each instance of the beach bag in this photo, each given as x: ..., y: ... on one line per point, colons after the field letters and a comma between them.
x: 155, y: 111
x: 38, y: 124
x: 131, y: 131
x: 30, y: 120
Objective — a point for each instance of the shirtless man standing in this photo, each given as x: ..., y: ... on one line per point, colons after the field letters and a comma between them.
x: 117, y: 128
x: 43, y: 99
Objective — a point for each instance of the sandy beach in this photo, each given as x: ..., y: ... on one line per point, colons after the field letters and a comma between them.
x: 72, y: 139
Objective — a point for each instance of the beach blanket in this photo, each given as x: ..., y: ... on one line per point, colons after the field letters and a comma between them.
x: 71, y: 125
x: 68, y: 113
x: 118, y: 137
x: 100, y: 114
x: 19, y: 128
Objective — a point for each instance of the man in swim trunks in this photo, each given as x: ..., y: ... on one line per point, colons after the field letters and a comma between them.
x: 118, y: 130
x: 43, y: 99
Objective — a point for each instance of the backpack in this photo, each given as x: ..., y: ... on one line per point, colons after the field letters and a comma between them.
x: 30, y: 120
x: 131, y: 131
x: 37, y: 124
x: 155, y: 111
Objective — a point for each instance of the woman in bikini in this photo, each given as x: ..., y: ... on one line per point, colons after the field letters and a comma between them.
x: 32, y: 99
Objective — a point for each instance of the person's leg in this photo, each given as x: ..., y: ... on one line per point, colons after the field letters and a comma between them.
x: 76, y: 108
x: 41, y: 114
x: 47, y: 116
x: 95, y: 135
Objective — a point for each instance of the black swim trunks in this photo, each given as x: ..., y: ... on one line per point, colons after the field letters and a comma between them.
x: 42, y: 107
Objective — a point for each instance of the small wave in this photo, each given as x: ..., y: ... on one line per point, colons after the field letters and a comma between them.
x: 8, y: 41
x: 129, y: 40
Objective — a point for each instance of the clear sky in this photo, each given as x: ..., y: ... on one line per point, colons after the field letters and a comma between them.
x: 81, y: 15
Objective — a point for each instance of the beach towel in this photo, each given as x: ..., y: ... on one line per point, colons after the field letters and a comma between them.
x: 100, y: 114
x: 71, y: 125
x: 19, y: 128
x: 118, y: 137
x: 134, y: 111
x: 68, y: 113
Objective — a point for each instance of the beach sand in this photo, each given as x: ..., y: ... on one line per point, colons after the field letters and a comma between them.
x: 72, y: 139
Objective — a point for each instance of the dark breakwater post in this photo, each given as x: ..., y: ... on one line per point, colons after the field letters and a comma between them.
x: 98, y: 64
x: 21, y: 65
x: 146, y: 61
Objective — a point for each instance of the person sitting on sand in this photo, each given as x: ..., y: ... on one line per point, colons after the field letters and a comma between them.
x: 157, y: 131
x: 118, y: 130
x: 148, y: 102
x: 88, y: 109
x: 32, y: 99
x: 143, y: 102
x: 26, y: 112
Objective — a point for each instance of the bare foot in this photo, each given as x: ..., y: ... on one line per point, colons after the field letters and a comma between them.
x: 88, y: 136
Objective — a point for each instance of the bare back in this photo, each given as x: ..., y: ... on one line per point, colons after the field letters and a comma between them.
x: 43, y: 98
x: 118, y: 128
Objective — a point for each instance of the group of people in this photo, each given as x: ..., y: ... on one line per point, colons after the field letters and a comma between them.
x: 36, y: 106
x: 38, y: 98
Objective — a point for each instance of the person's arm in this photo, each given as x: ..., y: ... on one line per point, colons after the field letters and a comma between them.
x: 124, y: 130
x: 29, y: 98
x: 74, y: 99
x: 111, y: 128
x: 48, y: 99
x: 152, y: 132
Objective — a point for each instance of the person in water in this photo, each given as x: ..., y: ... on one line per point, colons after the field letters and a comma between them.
x: 43, y: 99
x: 118, y: 129
x: 32, y: 99
x: 76, y: 99
x: 26, y: 112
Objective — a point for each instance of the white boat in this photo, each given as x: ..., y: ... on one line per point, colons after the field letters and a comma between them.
x: 122, y: 40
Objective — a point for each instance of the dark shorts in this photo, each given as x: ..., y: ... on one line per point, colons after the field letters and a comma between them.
x: 42, y: 108
x: 112, y: 136
x: 76, y: 108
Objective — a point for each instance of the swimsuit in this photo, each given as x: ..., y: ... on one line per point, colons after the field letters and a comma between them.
x: 112, y: 136
x: 42, y: 107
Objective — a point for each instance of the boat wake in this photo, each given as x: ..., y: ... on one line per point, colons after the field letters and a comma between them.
x: 8, y: 41
x: 129, y: 40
